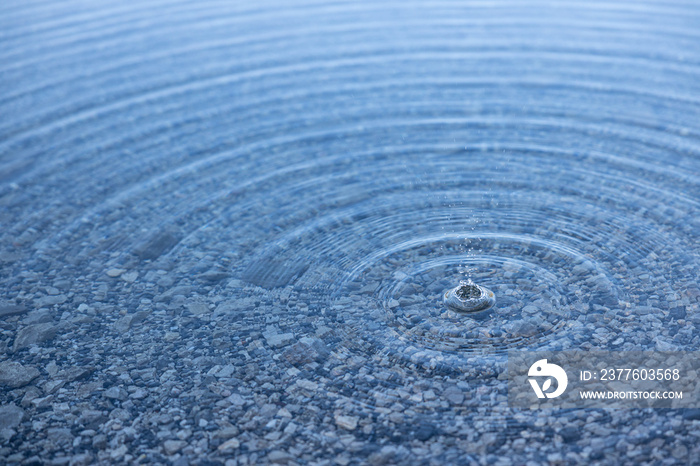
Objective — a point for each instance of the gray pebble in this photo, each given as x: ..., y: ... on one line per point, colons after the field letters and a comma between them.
x: 14, y: 374
x: 10, y: 416
x: 34, y: 334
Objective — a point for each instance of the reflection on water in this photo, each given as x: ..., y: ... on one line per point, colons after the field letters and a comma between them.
x: 235, y: 224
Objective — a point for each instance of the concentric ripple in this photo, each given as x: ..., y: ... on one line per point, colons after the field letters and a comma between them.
x: 345, y: 163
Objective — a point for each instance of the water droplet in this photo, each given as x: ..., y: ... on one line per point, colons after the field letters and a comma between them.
x: 469, y: 297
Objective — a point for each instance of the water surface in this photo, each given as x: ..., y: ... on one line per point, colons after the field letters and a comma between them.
x: 247, y: 214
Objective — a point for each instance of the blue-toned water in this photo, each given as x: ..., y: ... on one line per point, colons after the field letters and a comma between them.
x: 227, y: 227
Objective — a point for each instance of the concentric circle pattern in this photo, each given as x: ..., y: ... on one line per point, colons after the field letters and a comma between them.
x: 327, y: 170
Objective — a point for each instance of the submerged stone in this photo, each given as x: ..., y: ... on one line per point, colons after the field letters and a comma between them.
x: 469, y: 297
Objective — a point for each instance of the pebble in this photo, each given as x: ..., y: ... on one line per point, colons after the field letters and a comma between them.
x: 127, y: 322
x: 425, y: 432
x: 173, y: 446
x: 236, y: 400
x: 130, y: 277
x: 454, y: 395
x: 60, y: 436
x: 51, y: 300
x: 383, y: 456
x: 227, y: 432
x: 10, y: 309
x: 279, y: 456
x: 14, y: 374
x: 10, y: 416
x: 198, y: 309
x: 347, y: 422
x: 139, y: 394
x: 230, y: 444
x: 114, y: 273
x: 118, y: 452
x: 663, y: 345
x: 158, y: 245
x: 680, y: 452
x: 116, y: 393
x: 570, y: 434
x: 34, y: 334
x: 277, y: 340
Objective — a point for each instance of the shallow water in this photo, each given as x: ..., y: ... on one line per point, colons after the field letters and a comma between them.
x: 270, y: 200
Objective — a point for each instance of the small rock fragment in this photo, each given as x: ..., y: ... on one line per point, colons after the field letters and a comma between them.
x: 116, y: 393
x: 14, y: 374
x: 128, y: 321
x: 229, y: 445
x: 158, y: 245
x: 279, y: 456
x: 173, y: 446
x: 10, y: 309
x: 34, y: 334
x: 10, y: 416
x: 114, y: 273
x: 346, y: 422
x: 279, y: 339
x: 198, y: 309
x: 130, y: 277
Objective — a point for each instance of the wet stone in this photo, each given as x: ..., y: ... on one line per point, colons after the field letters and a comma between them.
x: 158, y: 245
x: 10, y: 416
x: 60, y: 436
x: 116, y: 393
x: 115, y: 272
x: 198, y: 309
x: 82, y: 459
x: 227, y: 432
x: 523, y: 328
x: 9, y: 309
x: 305, y: 351
x: 570, y: 434
x: 230, y: 444
x: 385, y: 455
x: 76, y: 373
x: 454, y: 395
x: 119, y: 413
x: 347, y: 422
x: 9, y: 256
x: 128, y: 321
x: 53, y: 385
x: 173, y: 446
x: 139, y: 394
x: 50, y: 300
x: 118, y: 452
x: 279, y: 457
x: 425, y: 432
x: 40, y: 316
x: 14, y: 374
x: 100, y: 442
x: 692, y: 414
x: 34, y: 334
x: 130, y: 277
x: 214, y: 276
x: 277, y: 340
x: 271, y: 273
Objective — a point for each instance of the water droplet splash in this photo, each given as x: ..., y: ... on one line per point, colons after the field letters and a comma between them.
x: 469, y: 297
